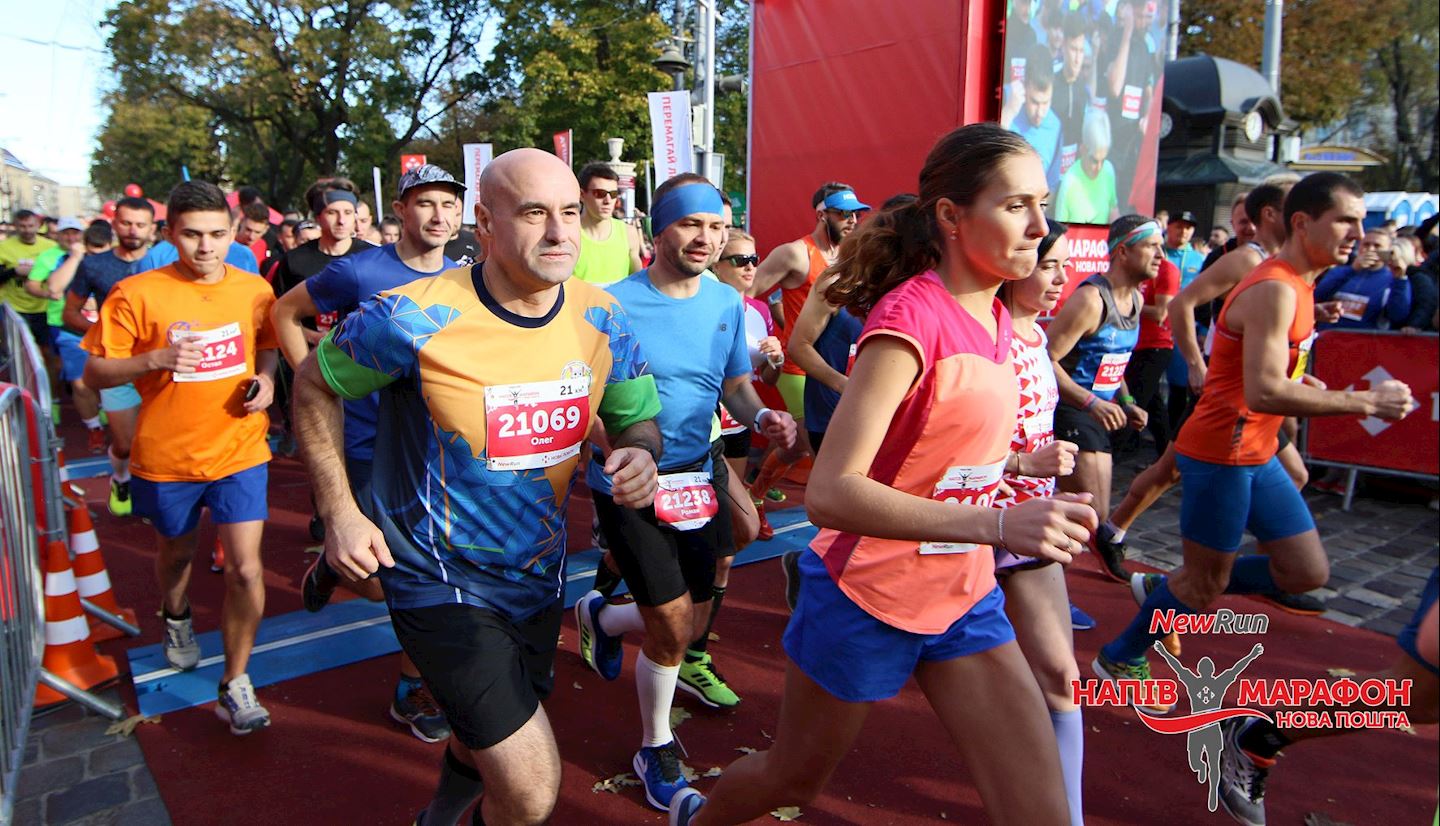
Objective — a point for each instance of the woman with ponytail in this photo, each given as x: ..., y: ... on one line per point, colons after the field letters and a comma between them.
x: 900, y: 580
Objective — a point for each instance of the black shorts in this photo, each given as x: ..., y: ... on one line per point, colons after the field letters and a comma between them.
x: 816, y: 437
x: 736, y: 445
x: 660, y: 563
x: 487, y: 674
x: 39, y: 325
x: 1074, y: 425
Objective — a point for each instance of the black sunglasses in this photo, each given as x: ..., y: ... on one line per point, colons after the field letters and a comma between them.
x: 742, y: 260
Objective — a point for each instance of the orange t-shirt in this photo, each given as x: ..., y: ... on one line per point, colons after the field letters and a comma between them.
x: 792, y: 301
x: 192, y: 427
x: 1223, y: 429
x: 947, y: 441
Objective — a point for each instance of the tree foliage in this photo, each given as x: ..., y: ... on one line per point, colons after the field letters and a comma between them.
x: 296, y: 88
x: 147, y: 143
x: 1323, y: 43
x: 1403, y: 94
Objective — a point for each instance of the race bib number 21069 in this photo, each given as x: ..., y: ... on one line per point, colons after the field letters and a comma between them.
x: 535, y: 425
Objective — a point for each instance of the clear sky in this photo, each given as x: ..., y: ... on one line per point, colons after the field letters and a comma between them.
x: 53, y: 70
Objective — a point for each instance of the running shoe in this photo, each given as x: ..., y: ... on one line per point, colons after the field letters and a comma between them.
x: 602, y: 652
x: 606, y: 580
x: 418, y: 711
x: 1079, y: 620
x: 1242, y: 776
x: 317, y: 528
x: 766, y: 532
x: 684, y: 805
x: 1138, y: 670
x: 181, y: 648
x: 1304, y: 605
x: 318, y: 585
x: 1111, y: 554
x: 702, y: 680
x: 775, y: 495
x: 97, y: 440
x: 239, y: 708
x: 658, y: 768
x: 119, y: 498
x: 1140, y: 587
x: 217, y: 558
x: 1334, y: 487
x: 790, y: 564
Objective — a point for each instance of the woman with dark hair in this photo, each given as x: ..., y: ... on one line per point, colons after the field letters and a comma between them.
x: 900, y: 580
x: 1035, y: 598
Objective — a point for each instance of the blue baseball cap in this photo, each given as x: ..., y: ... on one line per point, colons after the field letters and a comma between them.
x: 427, y: 174
x: 844, y: 200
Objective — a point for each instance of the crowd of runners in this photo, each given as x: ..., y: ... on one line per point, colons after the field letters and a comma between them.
x: 446, y: 389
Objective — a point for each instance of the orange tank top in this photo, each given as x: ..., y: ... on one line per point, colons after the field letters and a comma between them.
x: 793, y: 300
x: 1223, y: 429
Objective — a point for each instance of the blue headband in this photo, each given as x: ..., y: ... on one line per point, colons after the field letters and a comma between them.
x: 690, y: 199
x: 1136, y: 235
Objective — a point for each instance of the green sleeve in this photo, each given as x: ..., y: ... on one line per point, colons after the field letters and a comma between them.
x: 627, y: 402
x: 348, y: 379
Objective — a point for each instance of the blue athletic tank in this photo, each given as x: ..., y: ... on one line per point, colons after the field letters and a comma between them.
x: 833, y: 345
x: 1098, y: 362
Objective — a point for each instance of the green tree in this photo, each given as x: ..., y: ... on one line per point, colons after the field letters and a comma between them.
x: 582, y: 65
x: 1323, y: 43
x: 1403, y: 88
x: 302, y: 87
x: 146, y: 142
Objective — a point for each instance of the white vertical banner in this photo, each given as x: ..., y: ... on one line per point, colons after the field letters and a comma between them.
x: 670, y: 129
x: 477, y: 156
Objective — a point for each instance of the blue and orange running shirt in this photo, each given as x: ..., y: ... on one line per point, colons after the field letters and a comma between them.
x: 482, y: 417
x: 948, y: 441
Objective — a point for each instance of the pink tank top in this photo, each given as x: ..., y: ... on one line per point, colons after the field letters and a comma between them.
x: 948, y: 440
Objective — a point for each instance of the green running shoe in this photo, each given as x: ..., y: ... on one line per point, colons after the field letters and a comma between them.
x: 119, y: 498
x: 701, y: 679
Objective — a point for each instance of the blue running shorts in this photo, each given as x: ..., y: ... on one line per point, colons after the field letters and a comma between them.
x: 1408, y: 634
x: 119, y: 397
x: 1218, y: 503
x: 858, y: 658
x: 174, y: 507
x: 72, y: 358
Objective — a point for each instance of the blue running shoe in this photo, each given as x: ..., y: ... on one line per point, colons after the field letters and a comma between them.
x: 684, y: 805
x: 658, y: 767
x: 1079, y: 620
x: 602, y: 652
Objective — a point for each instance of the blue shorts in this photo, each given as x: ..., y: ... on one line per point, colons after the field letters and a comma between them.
x: 174, y: 507
x: 119, y: 397
x: 1218, y: 503
x: 72, y: 358
x: 858, y: 658
x: 1407, y: 635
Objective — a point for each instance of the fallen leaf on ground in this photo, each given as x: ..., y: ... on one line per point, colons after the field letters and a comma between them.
x: 716, y: 771
x: 614, y: 784
x: 766, y: 734
x: 714, y: 637
x: 786, y: 813
x: 126, y: 727
x: 1408, y: 730
x: 744, y: 749
x: 678, y: 715
x: 1340, y: 672
x: 578, y: 687
x: 688, y: 772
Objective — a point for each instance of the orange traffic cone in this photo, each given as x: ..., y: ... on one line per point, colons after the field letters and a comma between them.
x: 69, y: 654
x: 92, y: 580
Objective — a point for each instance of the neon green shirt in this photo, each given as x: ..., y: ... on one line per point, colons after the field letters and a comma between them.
x: 12, y: 292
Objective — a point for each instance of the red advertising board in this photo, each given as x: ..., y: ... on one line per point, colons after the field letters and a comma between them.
x: 1089, y: 254
x: 1346, y: 359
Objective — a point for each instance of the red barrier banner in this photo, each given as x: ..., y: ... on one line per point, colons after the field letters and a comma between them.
x: 1345, y: 360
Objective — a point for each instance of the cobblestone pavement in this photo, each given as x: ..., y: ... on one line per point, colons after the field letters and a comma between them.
x: 1381, y: 553
x: 78, y: 775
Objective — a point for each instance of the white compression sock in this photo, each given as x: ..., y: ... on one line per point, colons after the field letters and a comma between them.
x: 119, y: 468
x: 617, y: 619
x: 656, y: 686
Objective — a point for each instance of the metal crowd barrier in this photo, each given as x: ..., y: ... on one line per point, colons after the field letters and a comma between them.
x: 22, y: 620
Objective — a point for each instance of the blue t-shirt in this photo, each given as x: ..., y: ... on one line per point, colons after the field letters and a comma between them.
x: 833, y: 345
x: 97, y: 275
x: 1369, y: 299
x: 1044, y: 137
x: 692, y: 346
x: 340, y: 288
x: 239, y: 257
x: 1188, y: 261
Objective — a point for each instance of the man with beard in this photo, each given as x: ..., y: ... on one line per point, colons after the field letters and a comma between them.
x: 97, y: 275
x: 793, y: 267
